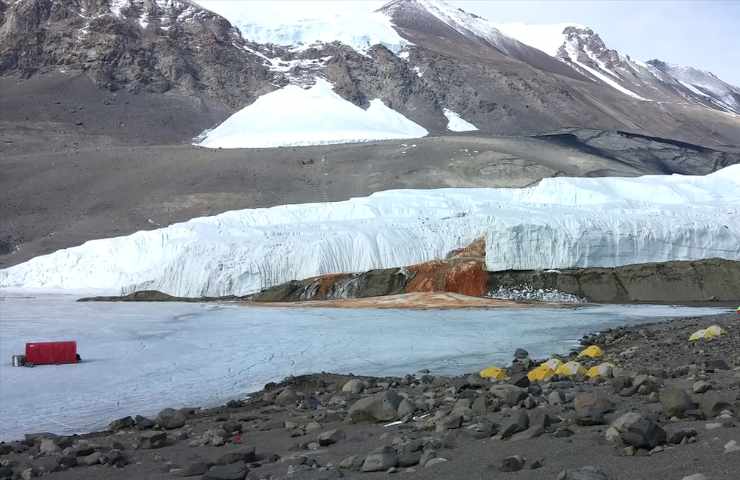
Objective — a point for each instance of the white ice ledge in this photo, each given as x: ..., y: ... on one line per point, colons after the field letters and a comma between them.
x: 559, y: 223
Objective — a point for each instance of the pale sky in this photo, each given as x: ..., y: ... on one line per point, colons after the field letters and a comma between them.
x: 703, y: 34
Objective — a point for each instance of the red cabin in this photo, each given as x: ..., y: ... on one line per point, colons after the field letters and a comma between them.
x: 51, y: 353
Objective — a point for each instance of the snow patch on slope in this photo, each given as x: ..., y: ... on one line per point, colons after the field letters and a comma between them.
x: 559, y: 223
x: 455, y: 123
x: 573, y: 53
x: 357, y: 31
x: 294, y: 116
x: 546, y: 37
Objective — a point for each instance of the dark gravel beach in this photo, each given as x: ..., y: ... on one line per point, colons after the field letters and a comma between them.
x: 668, y: 409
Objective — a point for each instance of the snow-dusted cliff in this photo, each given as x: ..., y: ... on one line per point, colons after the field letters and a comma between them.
x: 561, y: 222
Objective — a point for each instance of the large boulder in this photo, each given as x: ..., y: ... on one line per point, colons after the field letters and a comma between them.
x: 638, y: 431
x: 354, y: 385
x: 170, y: 418
x: 675, y: 402
x: 381, y: 407
x: 234, y: 471
x: 380, y: 460
x: 509, y: 395
x: 591, y: 407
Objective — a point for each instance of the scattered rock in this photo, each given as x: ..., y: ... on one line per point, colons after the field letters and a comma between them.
x: 49, y: 447
x: 713, y: 403
x: 170, y: 418
x: 449, y: 422
x: 124, y: 423
x: 591, y: 407
x: 482, y: 429
x: 675, y: 402
x: 716, y: 364
x: 92, y: 459
x: 191, y: 470
x: 521, y: 354
x: 427, y: 455
x: 353, y: 462
x: 143, y: 423
x: 435, y: 461
x: 234, y: 471
x: 675, y: 437
x: 583, y: 473
x: 115, y: 458
x: 286, y: 397
x: 149, y: 440
x: 696, y: 476
x: 520, y: 380
x: 701, y: 386
x: 639, y: 431
x: 380, y: 460
x: 509, y: 395
x: 518, y: 423
x: 355, y: 386
x: 381, y: 407
x: 732, y: 446
x: 512, y: 464
x: 556, y: 397
x: 405, y: 408
x: 330, y: 437
x: 244, y: 454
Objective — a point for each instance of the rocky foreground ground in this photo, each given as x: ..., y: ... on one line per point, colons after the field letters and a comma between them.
x: 669, y: 410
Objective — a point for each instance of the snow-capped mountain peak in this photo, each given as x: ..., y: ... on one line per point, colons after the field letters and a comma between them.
x: 357, y: 31
x: 702, y: 83
x: 466, y: 24
x: 546, y: 37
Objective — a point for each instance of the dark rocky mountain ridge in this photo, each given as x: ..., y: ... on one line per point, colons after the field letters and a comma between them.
x: 502, y: 86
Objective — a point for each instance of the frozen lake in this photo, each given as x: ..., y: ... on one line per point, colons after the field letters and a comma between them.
x: 140, y: 358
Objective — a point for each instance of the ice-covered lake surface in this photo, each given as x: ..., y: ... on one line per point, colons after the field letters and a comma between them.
x: 140, y: 358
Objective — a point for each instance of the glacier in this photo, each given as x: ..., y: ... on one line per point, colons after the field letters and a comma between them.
x: 308, y: 116
x: 558, y: 223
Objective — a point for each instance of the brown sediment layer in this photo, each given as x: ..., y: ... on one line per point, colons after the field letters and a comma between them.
x: 415, y: 300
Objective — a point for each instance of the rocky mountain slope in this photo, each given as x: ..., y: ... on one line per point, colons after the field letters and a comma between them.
x: 132, y: 45
x: 420, y: 57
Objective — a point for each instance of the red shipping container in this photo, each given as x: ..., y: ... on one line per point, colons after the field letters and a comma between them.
x: 51, y: 353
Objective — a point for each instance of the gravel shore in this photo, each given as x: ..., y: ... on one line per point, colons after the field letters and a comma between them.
x: 665, y: 407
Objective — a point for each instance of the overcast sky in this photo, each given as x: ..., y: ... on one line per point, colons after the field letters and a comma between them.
x: 703, y: 34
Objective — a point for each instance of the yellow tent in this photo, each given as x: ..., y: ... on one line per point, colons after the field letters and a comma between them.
x: 594, y: 351
x: 570, y: 369
x: 493, y: 372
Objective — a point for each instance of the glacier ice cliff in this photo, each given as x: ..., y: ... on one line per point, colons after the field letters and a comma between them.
x: 558, y: 223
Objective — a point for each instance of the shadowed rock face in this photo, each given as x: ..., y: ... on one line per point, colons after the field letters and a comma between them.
x: 142, y: 46
x: 694, y: 281
x: 713, y: 280
x: 463, y: 272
